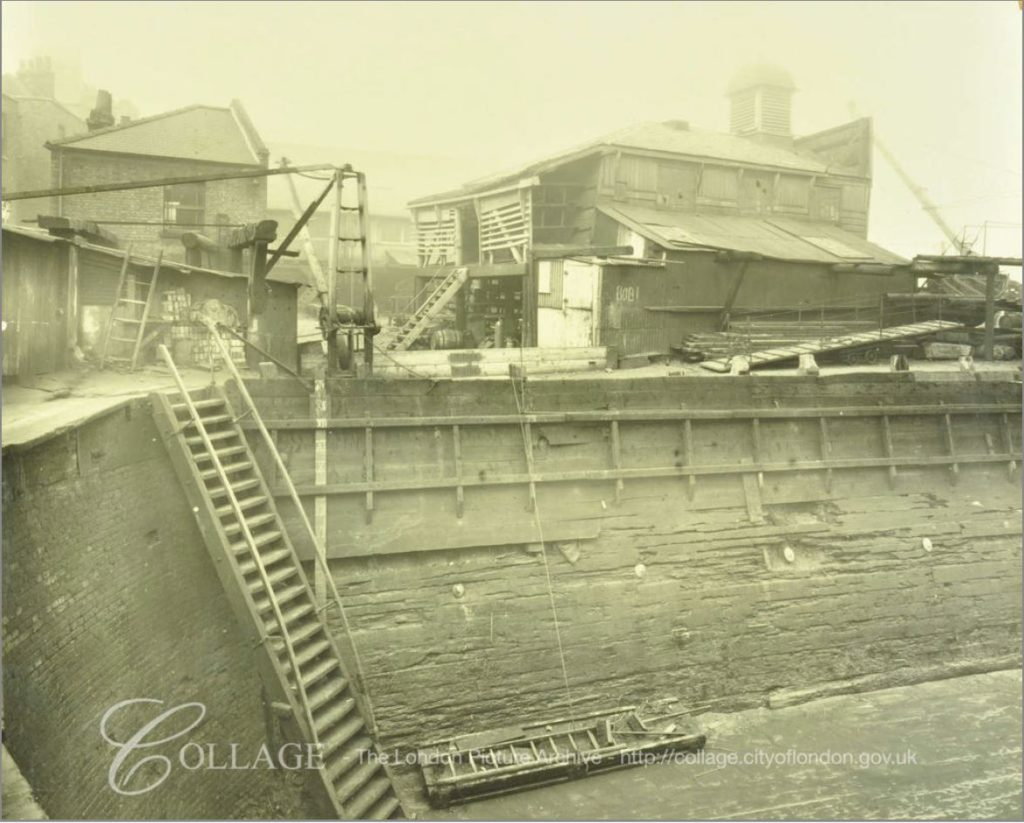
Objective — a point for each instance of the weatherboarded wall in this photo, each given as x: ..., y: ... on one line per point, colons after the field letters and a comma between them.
x: 728, y: 591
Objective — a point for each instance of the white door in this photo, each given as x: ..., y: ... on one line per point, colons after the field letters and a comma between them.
x: 579, y: 293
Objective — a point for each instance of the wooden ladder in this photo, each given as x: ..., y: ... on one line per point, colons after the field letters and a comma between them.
x: 410, y: 331
x: 127, y: 318
x: 301, y: 667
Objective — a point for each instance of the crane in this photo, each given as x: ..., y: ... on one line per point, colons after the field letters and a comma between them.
x: 931, y: 209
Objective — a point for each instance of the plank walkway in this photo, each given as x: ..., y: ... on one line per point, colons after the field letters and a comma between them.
x: 765, y: 356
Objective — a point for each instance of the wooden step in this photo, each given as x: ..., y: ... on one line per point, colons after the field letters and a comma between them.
x: 211, y: 403
x: 367, y: 796
x: 123, y: 339
x: 356, y: 779
x: 239, y: 486
x: 332, y: 713
x: 339, y: 761
x: 253, y: 522
x: 226, y: 452
x: 306, y: 632
x: 213, y: 437
x: 274, y: 578
x: 290, y: 616
x: 325, y: 691
x: 228, y: 468
x: 264, y: 539
x: 311, y: 652
x: 342, y: 732
x: 212, y: 420
x: 244, y: 503
x: 132, y: 301
x: 320, y: 671
x: 262, y: 602
x: 269, y: 559
x: 385, y: 808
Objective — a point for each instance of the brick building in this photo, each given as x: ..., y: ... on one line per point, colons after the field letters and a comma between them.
x: 191, y: 141
x: 29, y: 121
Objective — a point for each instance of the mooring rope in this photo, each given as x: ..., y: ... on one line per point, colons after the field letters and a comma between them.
x: 540, y: 531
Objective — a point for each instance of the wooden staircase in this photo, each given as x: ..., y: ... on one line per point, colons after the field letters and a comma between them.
x: 301, y: 667
x: 409, y: 332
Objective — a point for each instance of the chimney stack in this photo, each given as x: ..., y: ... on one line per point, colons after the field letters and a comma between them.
x: 760, y: 101
x: 102, y: 116
x: 38, y: 77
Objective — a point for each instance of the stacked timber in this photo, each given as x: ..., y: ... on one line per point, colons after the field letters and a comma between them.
x: 756, y: 335
x: 446, y: 363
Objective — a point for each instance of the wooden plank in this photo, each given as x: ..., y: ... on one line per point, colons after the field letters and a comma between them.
x: 951, y: 446
x: 637, y: 415
x: 766, y: 356
x: 691, y: 479
x: 644, y: 472
x: 826, y: 450
x: 1011, y: 466
x: 368, y: 471
x: 460, y: 499
x: 887, y: 446
x: 616, y: 458
x: 528, y: 443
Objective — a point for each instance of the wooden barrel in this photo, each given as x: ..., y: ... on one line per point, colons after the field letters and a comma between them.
x: 446, y: 339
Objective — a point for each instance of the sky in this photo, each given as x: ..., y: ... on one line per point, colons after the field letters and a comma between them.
x: 494, y: 84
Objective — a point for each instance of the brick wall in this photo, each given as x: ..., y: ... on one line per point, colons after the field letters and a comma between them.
x: 241, y: 201
x: 28, y: 123
x: 108, y: 594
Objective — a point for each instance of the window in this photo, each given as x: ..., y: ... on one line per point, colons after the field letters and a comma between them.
x: 184, y: 206
x: 719, y: 184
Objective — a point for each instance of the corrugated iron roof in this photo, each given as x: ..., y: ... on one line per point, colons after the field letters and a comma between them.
x: 143, y: 259
x: 667, y: 138
x: 779, y: 238
x: 209, y: 133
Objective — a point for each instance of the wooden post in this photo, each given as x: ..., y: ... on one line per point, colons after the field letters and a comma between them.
x: 368, y: 469
x: 616, y: 459
x: 990, y: 318
x: 459, y: 493
x: 368, y: 303
x: 691, y: 480
x: 71, y: 311
x: 826, y: 451
x: 320, y: 401
x: 332, y: 276
x: 887, y: 446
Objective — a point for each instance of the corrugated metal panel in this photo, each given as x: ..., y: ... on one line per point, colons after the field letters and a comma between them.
x: 776, y: 237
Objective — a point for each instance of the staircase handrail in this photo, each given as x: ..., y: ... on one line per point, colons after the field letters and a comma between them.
x: 319, y: 551
x: 239, y: 513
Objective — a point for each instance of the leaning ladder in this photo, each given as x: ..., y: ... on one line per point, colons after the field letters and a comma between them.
x: 128, y: 306
x: 269, y: 590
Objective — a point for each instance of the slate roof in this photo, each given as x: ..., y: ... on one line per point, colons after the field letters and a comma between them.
x: 668, y: 138
x: 779, y: 238
x: 209, y: 133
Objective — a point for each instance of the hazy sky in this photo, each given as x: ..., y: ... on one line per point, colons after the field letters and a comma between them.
x: 499, y: 83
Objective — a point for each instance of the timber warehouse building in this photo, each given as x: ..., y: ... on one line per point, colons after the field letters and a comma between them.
x: 660, y: 437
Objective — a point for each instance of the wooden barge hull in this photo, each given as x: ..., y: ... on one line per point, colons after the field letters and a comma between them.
x: 722, y: 541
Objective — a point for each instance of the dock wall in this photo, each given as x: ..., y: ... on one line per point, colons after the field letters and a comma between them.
x: 109, y: 595
x: 717, y: 540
